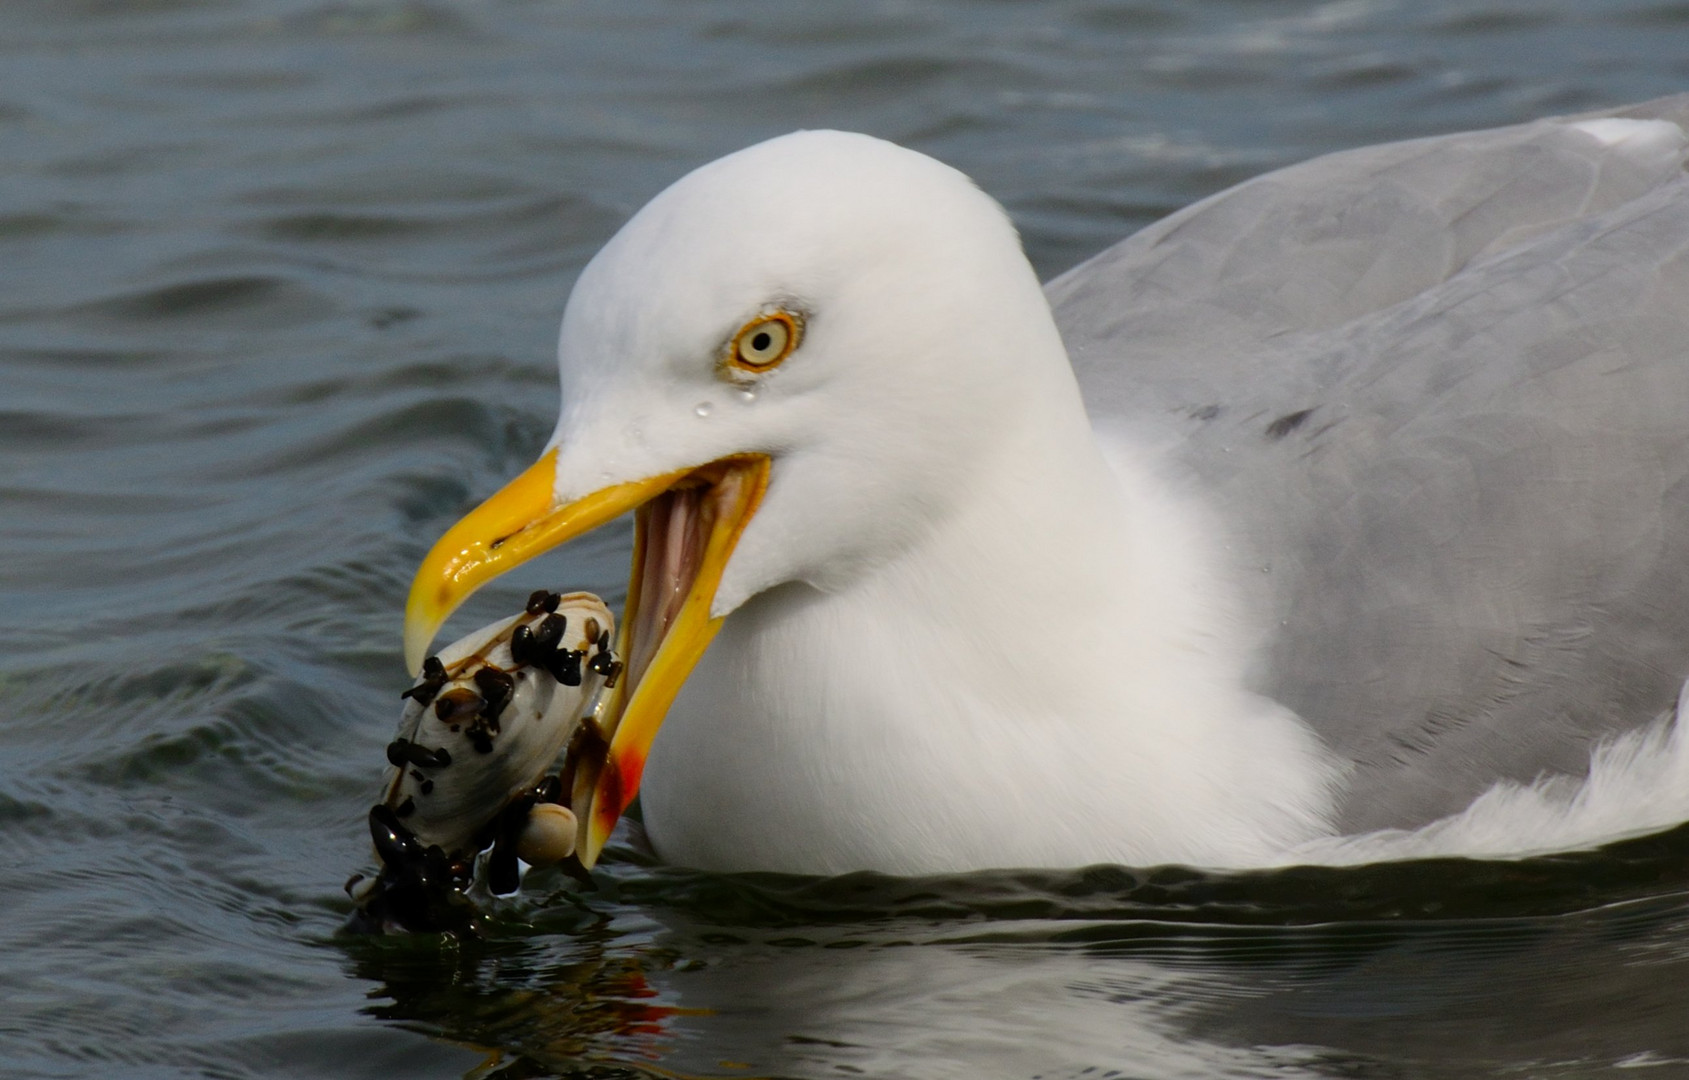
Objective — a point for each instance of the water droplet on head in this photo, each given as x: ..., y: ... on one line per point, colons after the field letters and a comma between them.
x: 703, y: 408
x: 747, y: 394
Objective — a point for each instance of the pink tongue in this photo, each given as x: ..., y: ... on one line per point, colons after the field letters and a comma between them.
x: 676, y: 528
x: 676, y: 524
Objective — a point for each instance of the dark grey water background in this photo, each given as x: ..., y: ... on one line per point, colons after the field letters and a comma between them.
x: 279, y: 282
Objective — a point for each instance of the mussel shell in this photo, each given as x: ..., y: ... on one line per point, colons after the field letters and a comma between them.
x: 501, y: 724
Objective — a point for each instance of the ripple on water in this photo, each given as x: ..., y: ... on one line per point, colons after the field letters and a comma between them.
x: 380, y: 17
x: 279, y: 287
x: 1670, y: 14
x: 251, y: 301
x: 1159, y: 971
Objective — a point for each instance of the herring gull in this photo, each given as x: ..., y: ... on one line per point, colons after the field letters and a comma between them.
x: 1342, y: 515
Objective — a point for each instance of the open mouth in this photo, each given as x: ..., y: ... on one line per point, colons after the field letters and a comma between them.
x: 687, y: 524
x: 671, y: 535
x: 683, y: 538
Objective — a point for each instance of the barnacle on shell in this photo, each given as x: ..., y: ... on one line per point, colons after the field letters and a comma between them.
x: 470, y: 781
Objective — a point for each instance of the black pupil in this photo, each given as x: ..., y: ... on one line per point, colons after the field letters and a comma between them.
x: 761, y: 341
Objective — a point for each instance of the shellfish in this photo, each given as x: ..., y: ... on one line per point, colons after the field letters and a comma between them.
x: 470, y: 786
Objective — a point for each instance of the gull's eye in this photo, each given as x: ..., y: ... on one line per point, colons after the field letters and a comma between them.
x: 762, y: 343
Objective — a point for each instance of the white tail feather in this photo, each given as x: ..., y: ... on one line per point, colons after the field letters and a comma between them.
x: 1638, y: 783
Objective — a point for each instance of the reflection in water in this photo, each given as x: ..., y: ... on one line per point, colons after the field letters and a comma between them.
x: 532, y: 1009
x: 1442, y: 968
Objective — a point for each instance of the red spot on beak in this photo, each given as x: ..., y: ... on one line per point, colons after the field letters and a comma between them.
x: 617, y: 785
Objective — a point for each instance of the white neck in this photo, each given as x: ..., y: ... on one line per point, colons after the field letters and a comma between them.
x: 1100, y: 715
x: 1037, y: 676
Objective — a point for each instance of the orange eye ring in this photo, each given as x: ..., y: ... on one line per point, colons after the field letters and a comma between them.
x: 764, y: 342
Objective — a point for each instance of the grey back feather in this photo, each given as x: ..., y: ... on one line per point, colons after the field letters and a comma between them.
x: 1439, y: 393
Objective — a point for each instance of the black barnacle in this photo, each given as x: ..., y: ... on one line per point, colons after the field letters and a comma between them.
x: 603, y: 641
x: 406, y: 808
x: 543, y: 600
x: 549, y: 632
x: 427, y: 787
x: 433, y: 677
x: 418, y: 887
x: 393, y: 842
x: 457, y: 705
x: 483, y: 742
x: 565, y: 666
x: 402, y: 752
x: 422, y: 693
x: 603, y: 663
x: 523, y: 648
x: 496, y: 688
x: 613, y: 674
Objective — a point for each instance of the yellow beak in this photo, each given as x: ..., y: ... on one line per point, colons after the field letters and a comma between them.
x: 667, y: 624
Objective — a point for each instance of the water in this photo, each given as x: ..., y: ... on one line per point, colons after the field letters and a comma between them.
x: 279, y: 282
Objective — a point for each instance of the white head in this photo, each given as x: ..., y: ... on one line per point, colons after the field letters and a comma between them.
x: 914, y: 300
x: 914, y: 331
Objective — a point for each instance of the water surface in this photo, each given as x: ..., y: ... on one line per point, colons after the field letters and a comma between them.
x: 279, y: 283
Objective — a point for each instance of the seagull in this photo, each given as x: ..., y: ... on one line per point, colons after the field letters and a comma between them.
x: 1341, y: 515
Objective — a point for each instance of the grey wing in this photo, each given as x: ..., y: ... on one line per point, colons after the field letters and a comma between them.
x: 1439, y: 392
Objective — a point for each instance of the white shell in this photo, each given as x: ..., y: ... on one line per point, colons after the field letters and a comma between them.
x: 549, y: 835
x: 449, y: 804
